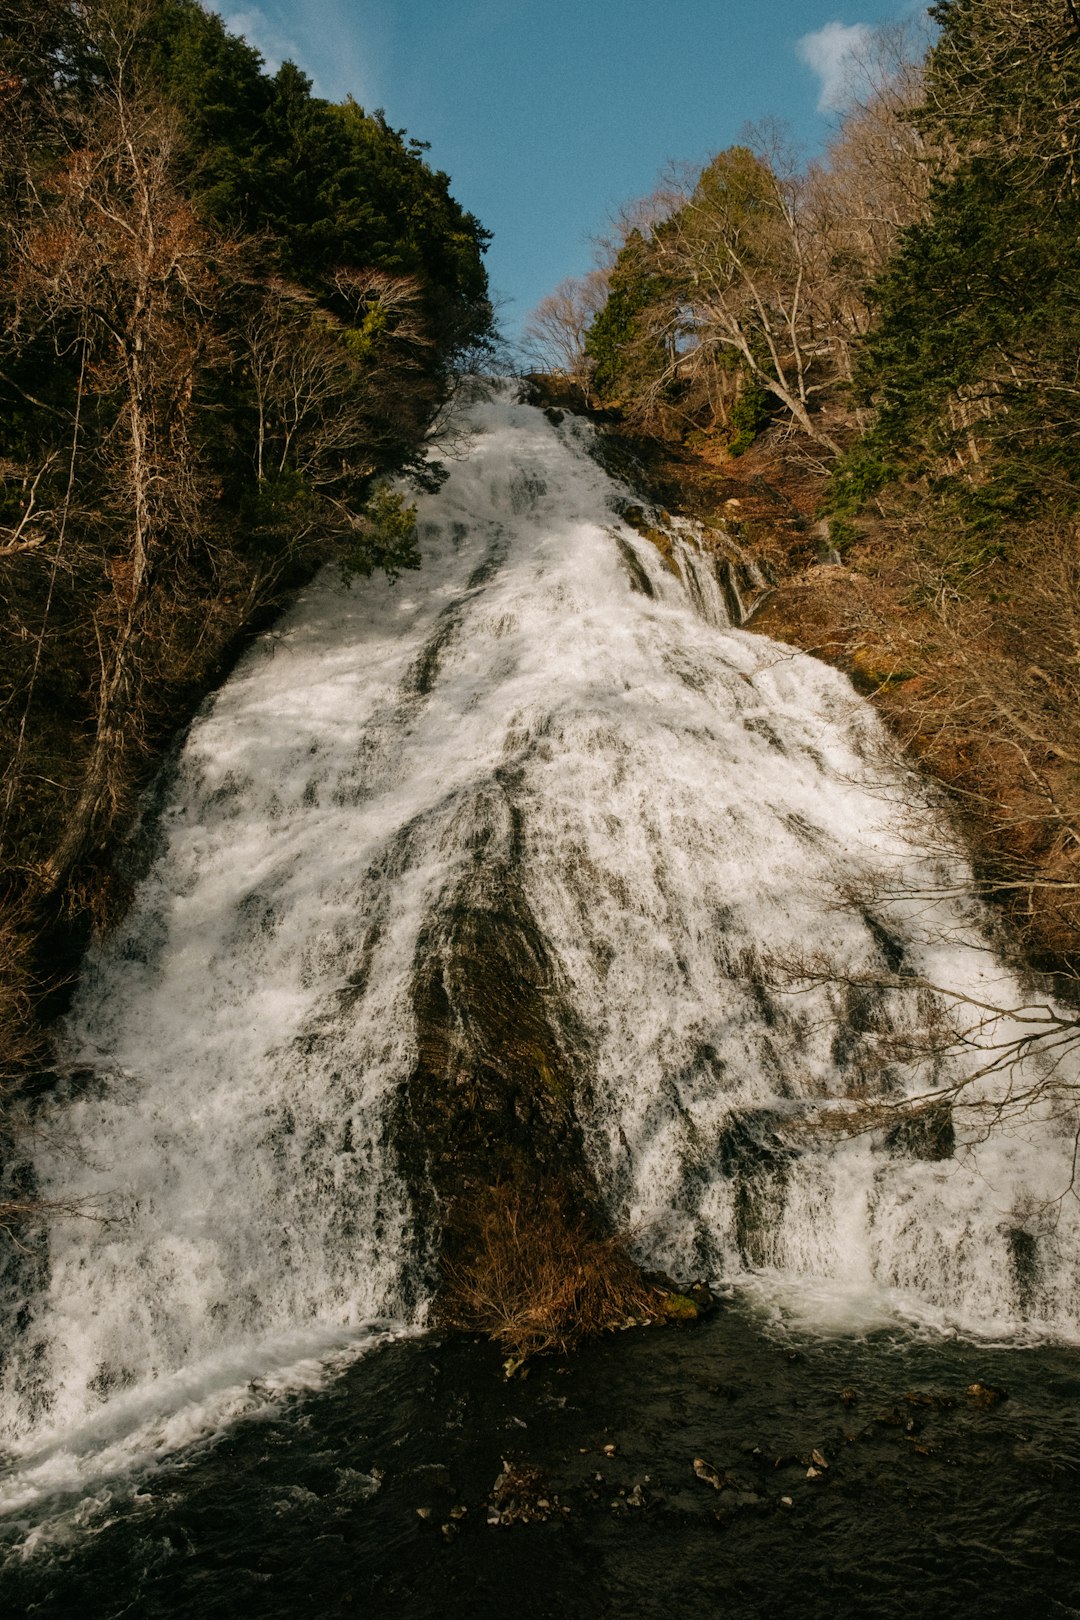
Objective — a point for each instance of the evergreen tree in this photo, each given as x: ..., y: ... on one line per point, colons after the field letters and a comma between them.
x: 629, y: 342
x: 972, y: 362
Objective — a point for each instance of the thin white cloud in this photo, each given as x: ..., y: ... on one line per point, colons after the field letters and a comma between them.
x: 272, y: 44
x: 321, y: 37
x: 344, y: 52
x: 837, y: 54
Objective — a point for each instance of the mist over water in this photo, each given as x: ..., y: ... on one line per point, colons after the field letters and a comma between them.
x: 696, y: 811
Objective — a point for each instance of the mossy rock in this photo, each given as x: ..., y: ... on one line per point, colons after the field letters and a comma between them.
x: 554, y: 1079
x: 636, y: 517
x: 679, y: 1309
x: 874, y: 668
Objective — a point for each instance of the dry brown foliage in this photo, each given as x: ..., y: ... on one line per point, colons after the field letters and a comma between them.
x: 975, y: 672
x: 534, y: 1276
x: 20, y: 1043
x: 555, y: 331
x: 131, y: 563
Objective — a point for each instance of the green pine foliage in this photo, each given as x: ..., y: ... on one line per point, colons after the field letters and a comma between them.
x: 625, y: 342
x: 748, y: 416
x: 328, y: 184
x: 385, y: 539
x: 971, y: 362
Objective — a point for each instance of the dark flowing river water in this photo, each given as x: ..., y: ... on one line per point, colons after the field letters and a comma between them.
x: 931, y: 1503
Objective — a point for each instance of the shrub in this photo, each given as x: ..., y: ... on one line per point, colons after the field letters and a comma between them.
x: 534, y: 1276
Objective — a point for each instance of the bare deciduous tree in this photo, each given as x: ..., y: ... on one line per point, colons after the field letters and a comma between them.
x: 989, y: 1064
x: 555, y: 331
x: 743, y: 251
x: 113, y: 261
x: 873, y: 184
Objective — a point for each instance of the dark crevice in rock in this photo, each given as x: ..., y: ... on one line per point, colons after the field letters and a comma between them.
x: 758, y: 1163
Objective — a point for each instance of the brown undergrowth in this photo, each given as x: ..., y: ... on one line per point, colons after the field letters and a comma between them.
x: 975, y: 672
x: 22, y: 1042
x: 535, y: 1276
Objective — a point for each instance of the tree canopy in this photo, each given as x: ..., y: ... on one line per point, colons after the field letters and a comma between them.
x: 971, y: 362
x: 229, y: 311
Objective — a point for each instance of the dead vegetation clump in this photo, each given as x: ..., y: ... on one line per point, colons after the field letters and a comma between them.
x: 20, y: 1043
x: 973, y: 667
x: 535, y: 1276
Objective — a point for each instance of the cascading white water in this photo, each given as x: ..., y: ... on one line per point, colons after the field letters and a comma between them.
x: 694, y: 802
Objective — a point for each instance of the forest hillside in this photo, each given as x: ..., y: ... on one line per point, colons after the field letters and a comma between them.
x: 228, y: 309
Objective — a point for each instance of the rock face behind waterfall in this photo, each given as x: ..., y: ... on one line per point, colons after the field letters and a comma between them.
x: 490, y: 1135
x: 482, y: 898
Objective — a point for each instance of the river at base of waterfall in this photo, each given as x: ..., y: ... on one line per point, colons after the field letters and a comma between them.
x: 740, y: 1468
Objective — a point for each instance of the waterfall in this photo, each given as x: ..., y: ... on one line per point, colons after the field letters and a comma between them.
x: 693, y: 808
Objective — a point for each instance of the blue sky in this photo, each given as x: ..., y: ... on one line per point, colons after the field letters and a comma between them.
x: 548, y: 114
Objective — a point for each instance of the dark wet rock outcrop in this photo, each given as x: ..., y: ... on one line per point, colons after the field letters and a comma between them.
x: 509, y: 1208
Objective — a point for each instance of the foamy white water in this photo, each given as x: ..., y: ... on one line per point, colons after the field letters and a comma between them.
x: 691, y: 804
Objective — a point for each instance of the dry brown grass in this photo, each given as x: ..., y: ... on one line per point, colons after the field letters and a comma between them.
x: 976, y: 676
x: 534, y: 1276
x: 21, y: 1044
